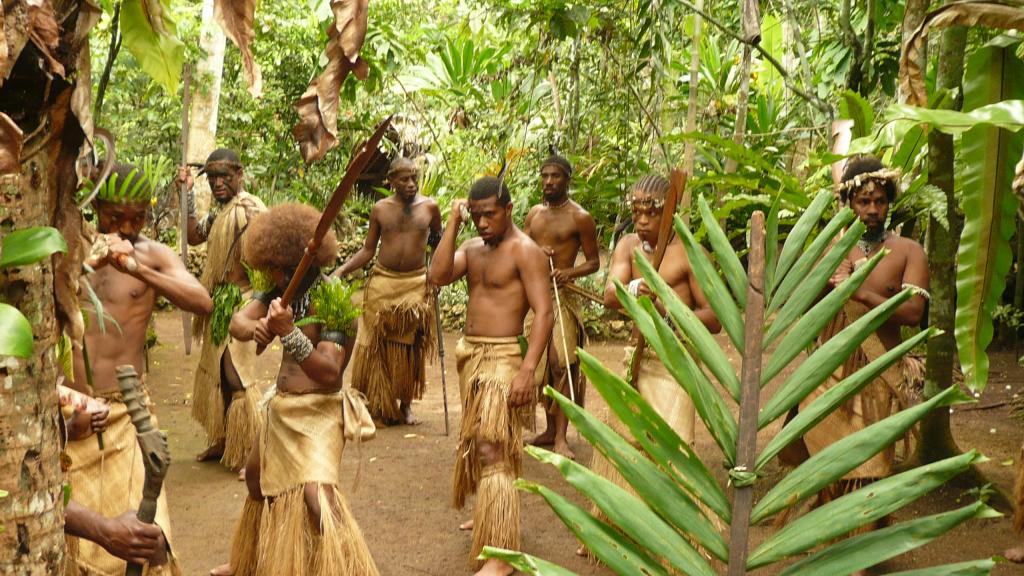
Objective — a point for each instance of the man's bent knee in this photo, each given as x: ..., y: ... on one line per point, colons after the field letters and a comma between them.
x: 489, y: 453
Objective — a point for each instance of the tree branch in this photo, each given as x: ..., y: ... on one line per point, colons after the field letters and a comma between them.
x: 115, y: 47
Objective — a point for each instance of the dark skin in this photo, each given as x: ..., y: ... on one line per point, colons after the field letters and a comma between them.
x: 906, y: 263
x: 675, y: 267
x: 507, y: 275
x: 562, y: 228
x: 128, y: 298
x: 124, y: 536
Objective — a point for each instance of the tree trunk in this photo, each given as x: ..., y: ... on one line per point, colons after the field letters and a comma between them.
x: 689, y: 151
x: 936, y: 439
x: 202, y: 133
x: 48, y: 110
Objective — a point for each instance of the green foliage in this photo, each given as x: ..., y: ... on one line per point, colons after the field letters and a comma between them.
x: 227, y: 298
x: 21, y: 248
x: 150, y: 34
x: 259, y: 280
x: 994, y: 74
x: 15, y: 333
x: 133, y: 188
x: 332, y: 306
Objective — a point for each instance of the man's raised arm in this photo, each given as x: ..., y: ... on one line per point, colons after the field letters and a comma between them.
x: 449, y: 264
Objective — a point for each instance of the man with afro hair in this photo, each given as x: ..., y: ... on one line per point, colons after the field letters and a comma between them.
x: 225, y: 391
x: 293, y: 473
x: 508, y: 276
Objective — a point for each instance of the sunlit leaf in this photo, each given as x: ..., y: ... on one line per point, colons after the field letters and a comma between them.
x: 15, y: 333
x: 150, y: 35
x: 30, y: 245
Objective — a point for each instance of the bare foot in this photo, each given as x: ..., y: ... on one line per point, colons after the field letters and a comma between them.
x: 545, y: 439
x: 241, y: 474
x: 1015, y: 554
x: 467, y: 525
x: 494, y: 568
x: 214, y: 452
x: 562, y: 448
x: 407, y: 418
x: 222, y: 570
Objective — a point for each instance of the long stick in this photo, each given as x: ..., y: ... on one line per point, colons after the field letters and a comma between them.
x: 565, y: 343
x: 440, y: 355
x: 186, y: 99
x: 355, y: 169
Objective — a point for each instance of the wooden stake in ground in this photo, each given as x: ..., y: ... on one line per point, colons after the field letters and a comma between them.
x: 750, y: 388
x: 186, y: 100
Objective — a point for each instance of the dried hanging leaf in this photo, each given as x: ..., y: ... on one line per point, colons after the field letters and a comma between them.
x: 317, y: 130
x: 990, y: 14
x: 4, y: 52
x: 44, y: 32
x: 236, y: 19
x: 10, y: 146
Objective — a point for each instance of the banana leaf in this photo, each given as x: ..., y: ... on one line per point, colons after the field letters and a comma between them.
x: 30, y: 245
x: 858, y: 508
x: 151, y: 36
x: 771, y: 246
x: 657, y: 438
x: 704, y: 344
x: 725, y: 256
x: 869, y: 549
x: 525, y: 563
x: 15, y: 333
x: 620, y: 554
x: 677, y: 360
x: 844, y: 455
x: 829, y: 356
x: 798, y: 235
x: 822, y: 406
x: 711, y: 284
x: 994, y: 73
x: 970, y: 568
x: 811, y: 323
x: 660, y: 492
x: 630, y: 515
x: 808, y: 262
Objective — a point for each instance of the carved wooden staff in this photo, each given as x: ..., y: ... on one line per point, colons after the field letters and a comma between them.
x: 355, y: 168
x: 675, y: 190
x: 186, y: 99
x: 440, y: 354
x: 155, y: 455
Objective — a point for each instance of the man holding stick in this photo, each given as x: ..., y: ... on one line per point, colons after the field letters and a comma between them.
x: 507, y: 276
x: 562, y: 228
x: 397, y: 329
x: 225, y: 395
x: 130, y: 272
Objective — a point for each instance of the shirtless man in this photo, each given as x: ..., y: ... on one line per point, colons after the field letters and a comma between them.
x: 130, y: 272
x: 562, y: 228
x: 508, y: 276
x: 397, y: 327
x: 296, y: 462
x: 225, y: 394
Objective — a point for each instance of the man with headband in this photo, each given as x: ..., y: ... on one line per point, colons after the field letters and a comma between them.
x: 225, y: 395
x: 397, y: 330
x: 869, y: 190
x: 646, y: 202
x: 562, y: 228
x: 129, y: 272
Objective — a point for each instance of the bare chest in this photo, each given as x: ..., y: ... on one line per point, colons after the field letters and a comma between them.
x: 491, y: 268
x: 402, y: 220
x: 554, y: 229
x: 887, y: 277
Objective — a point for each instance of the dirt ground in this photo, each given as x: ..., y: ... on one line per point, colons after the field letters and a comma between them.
x: 403, y: 500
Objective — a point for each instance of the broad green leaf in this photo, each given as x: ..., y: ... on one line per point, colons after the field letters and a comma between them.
x: 844, y: 455
x: 629, y: 514
x: 677, y: 360
x: 808, y: 264
x: 150, y: 35
x: 798, y: 235
x: 994, y: 73
x: 725, y: 256
x: 704, y: 344
x: 822, y: 406
x: 809, y: 326
x: 657, y: 438
x: 858, y: 508
x: 525, y: 563
x: 829, y: 356
x: 910, y: 146
x: 768, y: 78
x: 971, y: 568
x: 1008, y: 114
x: 771, y: 246
x: 711, y: 284
x: 855, y: 107
x: 15, y: 333
x: 877, y: 546
x: 620, y: 554
x: 30, y: 245
x: 660, y: 492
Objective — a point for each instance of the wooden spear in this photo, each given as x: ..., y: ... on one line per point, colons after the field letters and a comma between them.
x: 186, y: 100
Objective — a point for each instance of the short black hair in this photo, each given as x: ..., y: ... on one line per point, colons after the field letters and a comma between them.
x: 865, y: 164
x: 489, y: 186
x: 224, y: 155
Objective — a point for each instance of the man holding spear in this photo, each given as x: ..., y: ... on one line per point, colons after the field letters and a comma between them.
x: 224, y: 396
x: 562, y: 228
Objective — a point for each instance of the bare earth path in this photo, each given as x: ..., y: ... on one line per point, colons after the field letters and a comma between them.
x: 402, y: 501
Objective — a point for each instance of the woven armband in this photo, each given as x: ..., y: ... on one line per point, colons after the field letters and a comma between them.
x: 297, y: 345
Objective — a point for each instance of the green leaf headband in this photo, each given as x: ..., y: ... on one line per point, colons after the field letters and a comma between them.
x: 135, y: 188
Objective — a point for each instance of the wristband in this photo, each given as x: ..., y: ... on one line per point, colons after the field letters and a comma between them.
x: 191, y: 204
x: 297, y: 345
x: 634, y: 286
